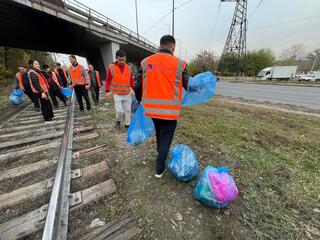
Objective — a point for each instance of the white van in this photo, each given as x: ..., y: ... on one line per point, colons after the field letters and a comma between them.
x: 278, y: 72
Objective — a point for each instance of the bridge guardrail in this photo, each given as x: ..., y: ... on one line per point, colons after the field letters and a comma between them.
x: 92, y: 14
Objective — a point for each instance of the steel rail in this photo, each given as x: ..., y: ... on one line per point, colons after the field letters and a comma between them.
x: 56, y: 225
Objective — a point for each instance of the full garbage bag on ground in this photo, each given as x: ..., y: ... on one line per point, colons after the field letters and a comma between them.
x: 67, y: 91
x: 183, y: 163
x: 16, y: 97
x: 200, y: 89
x: 216, y: 187
x: 140, y: 128
x: 134, y: 104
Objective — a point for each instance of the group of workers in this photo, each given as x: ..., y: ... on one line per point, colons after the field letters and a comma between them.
x: 158, y: 87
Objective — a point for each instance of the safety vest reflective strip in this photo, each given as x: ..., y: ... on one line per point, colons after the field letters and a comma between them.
x: 55, y: 79
x: 19, y: 77
x: 42, y: 82
x: 173, y: 102
x: 120, y: 88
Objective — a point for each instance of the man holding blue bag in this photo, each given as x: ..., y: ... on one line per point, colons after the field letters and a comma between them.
x: 159, y: 87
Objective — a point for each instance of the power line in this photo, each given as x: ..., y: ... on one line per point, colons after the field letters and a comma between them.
x: 286, y: 22
x: 161, y: 19
x: 259, y: 5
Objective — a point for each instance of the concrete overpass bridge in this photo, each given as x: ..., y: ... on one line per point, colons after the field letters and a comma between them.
x: 67, y: 26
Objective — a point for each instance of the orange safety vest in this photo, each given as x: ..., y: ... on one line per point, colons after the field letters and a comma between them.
x: 55, y: 78
x: 64, y: 73
x: 19, y: 77
x: 76, y: 76
x: 162, y: 86
x: 120, y: 83
x: 97, y: 78
x: 42, y: 81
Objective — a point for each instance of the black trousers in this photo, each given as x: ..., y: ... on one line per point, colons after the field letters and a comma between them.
x: 46, y: 109
x: 164, y: 132
x: 57, y: 93
x: 81, y: 91
x: 95, y: 94
x: 34, y: 98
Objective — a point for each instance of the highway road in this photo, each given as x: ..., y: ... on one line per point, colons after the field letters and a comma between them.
x: 308, y: 97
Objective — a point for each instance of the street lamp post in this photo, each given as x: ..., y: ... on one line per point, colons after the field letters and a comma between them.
x: 137, y: 18
x: 173, y: 18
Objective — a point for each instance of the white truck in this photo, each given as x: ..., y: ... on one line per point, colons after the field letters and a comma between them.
x: 278, y: 73
x: 310, y: 76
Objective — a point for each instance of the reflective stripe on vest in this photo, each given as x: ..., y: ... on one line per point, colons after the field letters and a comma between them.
x: 163, y: 107
x: 42, y: 82
x: 76, y: 76
x: 120, y: 83
x: 19, y: 77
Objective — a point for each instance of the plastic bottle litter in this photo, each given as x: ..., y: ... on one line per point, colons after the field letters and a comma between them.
x: 216, y: 187
x: 183, y: 163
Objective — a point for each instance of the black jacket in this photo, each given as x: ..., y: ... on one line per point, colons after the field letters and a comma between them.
x: 35, y: 80
x: 138, y: 83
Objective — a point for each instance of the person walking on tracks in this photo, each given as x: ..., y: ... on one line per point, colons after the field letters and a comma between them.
x: 22, y: 82
x: 78, y: 77
x: 119, y: 80
x: 159, y: 86
x: 61, y: 74
x: 40, y: 87
x: 95, y: 83
x: 54, y: 86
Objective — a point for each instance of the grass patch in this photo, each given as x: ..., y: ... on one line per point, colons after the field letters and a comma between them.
x: 273, y: 156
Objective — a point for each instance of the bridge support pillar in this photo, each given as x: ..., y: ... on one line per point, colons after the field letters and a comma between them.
x: 108, y: 53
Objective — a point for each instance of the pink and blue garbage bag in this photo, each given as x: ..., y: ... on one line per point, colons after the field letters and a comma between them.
x: 216, y: 188
x: 183, y: 163
x: 140, y: 128
x: 200, y: 89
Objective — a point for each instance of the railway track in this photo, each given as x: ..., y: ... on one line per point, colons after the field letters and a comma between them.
x: 37, y: 175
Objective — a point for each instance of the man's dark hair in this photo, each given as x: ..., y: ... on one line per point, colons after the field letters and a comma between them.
x: 167, y: 39
x: 45, y: 66
x: 20, y: 65
x: 121, y: 53
x: 73, y: 56
x: 58, y: 64
x: 30, y: 62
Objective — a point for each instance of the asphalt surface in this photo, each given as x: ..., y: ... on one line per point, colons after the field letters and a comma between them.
x: 308, y: 97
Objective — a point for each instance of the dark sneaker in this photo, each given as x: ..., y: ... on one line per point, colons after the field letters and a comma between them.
x: 161, y: 174
x: 127, y: 126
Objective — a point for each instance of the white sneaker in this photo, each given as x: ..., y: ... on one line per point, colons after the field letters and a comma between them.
x: 52, y: 121
x: 160, y: 175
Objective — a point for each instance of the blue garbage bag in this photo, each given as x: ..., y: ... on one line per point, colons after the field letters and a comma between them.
x: 216, y: 188
x: 140, y: 128
x: 134, y: 104
x: 200, y: 89
x: 183, y: 163
x: 67, y: 91
x: 16, y: 97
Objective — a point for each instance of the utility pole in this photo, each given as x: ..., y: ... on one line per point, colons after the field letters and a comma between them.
x: 137, y: 23
x: 236, y: 43
x: 314, y: 62
x: 173, y: 18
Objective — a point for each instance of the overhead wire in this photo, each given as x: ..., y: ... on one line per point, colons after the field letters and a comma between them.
x: 164, y: 17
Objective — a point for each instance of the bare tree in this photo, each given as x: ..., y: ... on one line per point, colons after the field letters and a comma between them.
x: 204, y: 60
x: 295, y: 52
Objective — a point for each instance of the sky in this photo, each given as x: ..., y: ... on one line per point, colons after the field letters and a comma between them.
x: 201, y: 24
